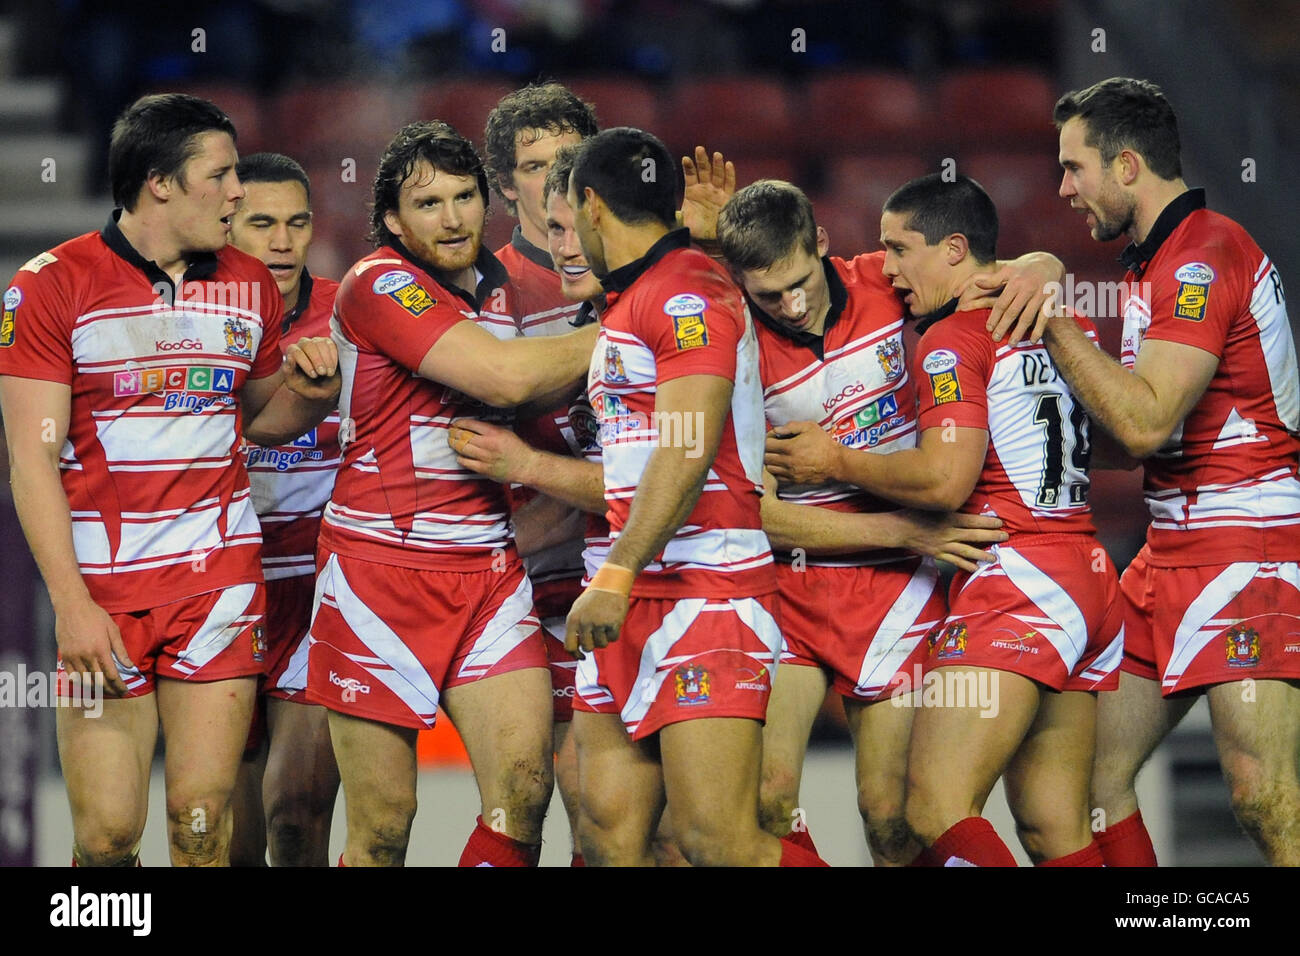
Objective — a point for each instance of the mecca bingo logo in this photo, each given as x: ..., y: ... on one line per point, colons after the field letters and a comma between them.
x: 183, y: 387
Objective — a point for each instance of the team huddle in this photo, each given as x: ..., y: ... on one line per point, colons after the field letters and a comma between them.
x: 626, y: 498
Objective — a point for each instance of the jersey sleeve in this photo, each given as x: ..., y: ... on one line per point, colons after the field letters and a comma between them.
x: 395, y: 314
x: 1196, y: 295
x: 268, y: 358
x: 693, y: 328
x: 36, y: 326
x: 952, y: 367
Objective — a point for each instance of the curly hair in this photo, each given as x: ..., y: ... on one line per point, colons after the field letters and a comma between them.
x: 436, y: 143
x: 548, y: 108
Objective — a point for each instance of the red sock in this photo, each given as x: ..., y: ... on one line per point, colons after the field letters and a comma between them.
x: 1090, y: 855
x: 577, y: 860
x: 801, y: 838
x: 792, y: 854
x: 341, y: 863
x: 486, y: 847
x: 974, y: 842
x: 1127, y: 843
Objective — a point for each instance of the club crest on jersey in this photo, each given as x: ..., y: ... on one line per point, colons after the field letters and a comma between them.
x: 239, y: 340
x: 400, y: 286
x: 1243, y: 646
x: 689, y: 327
x: 691, y: 681
x: 13, y: 298
x: 615, y: 374
x: 949, y: 642
x: 890, y: 356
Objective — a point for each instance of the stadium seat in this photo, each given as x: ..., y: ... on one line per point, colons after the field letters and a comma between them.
x: 1008, y: 107
x: 750, y: 169
x: 852, y: 231
x: 464, y: 104
x: 1030, y: 212
x: 872, y: 111
x: 620, y: 102
x: 244, y: 107
x: 863, y: 183
x: 342, y: 119
x: 734, y: 114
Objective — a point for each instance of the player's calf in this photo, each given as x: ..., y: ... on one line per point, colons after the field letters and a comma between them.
x: 1266, y: 802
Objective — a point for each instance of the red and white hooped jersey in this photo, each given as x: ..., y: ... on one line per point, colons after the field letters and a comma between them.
x: 541, y: 309
x: 400, y: 497
x: 671, y: 314
x: 1224, y: 488
x: 292, y: 482
x: 859, y: 390
x: 161, y: 506
x: 1035, y: 474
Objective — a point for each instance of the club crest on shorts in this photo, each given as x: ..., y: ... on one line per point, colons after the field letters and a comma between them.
x: 615, y: 374
x: 890, y: 356
x: 239, y: 341
x: 1243, y: 646
x: 691, y: 682
x: 949, y: 642
x: 259, y: 643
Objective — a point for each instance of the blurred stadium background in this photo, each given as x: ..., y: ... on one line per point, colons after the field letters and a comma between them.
x: 846, y: 98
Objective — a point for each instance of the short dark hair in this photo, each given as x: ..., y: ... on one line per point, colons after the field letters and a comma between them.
x: 158, y: 134
x: 632, y: 171
x: 1124, y: 113
x: 549, y: 107
x: 936, y: 207
x: 273, y: 168
x: 437, y: 144
x: 557, y: 177
x: 764, y: 223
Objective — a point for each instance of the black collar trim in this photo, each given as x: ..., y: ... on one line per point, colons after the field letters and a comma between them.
x: 532, y: 253
x: 304, y: 299
x: 1135, y: 257
x: 587, y: 313
x: 945, y: 310
x: 839, y: 296
x: 624, y: 276
x: 201, y: 265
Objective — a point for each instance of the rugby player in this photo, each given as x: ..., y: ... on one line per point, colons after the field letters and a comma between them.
x: 421, y: 600
x: 1205, y: 394
x: 830, y: 340
x: 522, y: 135
x: 288, y: 768
x: 661, y: 715
x: 128, y: 359
x: 1041, y: 624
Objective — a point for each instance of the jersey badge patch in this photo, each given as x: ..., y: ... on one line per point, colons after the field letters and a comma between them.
x: 400, y: 286
x: 1193, y: 296
x: 689, y: 327
x: 13, y: 298
x: 239, y: 341
x: 1243, y: 646
x: 890, y: 356
x: 614, y: 371
x: 691, y: 681
x: 950, y: 642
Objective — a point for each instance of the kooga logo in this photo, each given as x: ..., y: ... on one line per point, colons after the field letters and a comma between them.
x: 857, y: 388
x: 184, y: 345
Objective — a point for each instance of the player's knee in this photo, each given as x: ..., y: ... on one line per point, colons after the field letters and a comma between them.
x: 296, y: 826
x: 108, y: 845
x: 199, y: 829
x: 385, y: 831
x: 524, y: 793
x: 1257, y: 795
x: 611, y: 845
